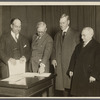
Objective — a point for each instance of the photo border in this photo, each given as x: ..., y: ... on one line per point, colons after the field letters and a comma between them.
x: 49, y: 2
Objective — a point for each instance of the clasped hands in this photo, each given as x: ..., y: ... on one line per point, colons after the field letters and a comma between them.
x: 13, y: 61
x: 91, y: 79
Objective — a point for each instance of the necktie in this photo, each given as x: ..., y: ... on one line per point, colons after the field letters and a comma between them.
x: 37, y: 38
x: 63, y: 35
x: 16, y: 38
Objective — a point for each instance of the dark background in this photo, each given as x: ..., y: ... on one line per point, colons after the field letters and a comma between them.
x: 80, y: 16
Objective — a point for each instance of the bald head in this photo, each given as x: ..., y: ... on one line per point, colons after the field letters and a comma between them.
x: 87, y: 34
x: 16, y: 25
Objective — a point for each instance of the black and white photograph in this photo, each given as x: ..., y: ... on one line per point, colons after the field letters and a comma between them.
x: 50, y: 49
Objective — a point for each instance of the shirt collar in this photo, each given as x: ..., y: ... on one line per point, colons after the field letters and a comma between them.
x: 66, y: 30
x: 39, y: 37
x: 86, y: 43
x: 13, y: 35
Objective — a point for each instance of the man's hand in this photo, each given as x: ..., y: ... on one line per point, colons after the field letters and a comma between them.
x: 22, y: 59
x: 12, y: 61
x: 92, y: 79
x: 54, y: 63
x: 42, y: 68
x: 70, y: 73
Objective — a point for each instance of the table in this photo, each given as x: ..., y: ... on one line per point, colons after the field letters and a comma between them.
x: 33, y: 86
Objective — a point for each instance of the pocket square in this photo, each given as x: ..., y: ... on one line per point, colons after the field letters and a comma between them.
x: 25, y: 46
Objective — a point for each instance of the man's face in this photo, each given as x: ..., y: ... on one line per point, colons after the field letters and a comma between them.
x: 64, y: 23
x: 41, y: 30
x: 16, y: 26
x: 86, y: 36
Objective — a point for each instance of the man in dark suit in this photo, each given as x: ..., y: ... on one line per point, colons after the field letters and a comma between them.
x: 13, y: 46
x: 42, y: 45
x: 85, y: 66
x: 64, y: 45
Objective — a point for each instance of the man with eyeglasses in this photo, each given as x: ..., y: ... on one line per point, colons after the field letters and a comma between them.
x: 41, y: 46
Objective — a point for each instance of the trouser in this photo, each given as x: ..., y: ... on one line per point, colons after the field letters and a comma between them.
x: 67, y: 93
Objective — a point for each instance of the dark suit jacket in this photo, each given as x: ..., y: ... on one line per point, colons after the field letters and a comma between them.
x: 85, y: 62
x: 7, y: 47
x: 62, y: 52
x: 41, y: 49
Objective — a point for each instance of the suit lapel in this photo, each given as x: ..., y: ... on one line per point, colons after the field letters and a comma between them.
x: 68, y: 33
x: 20, y: 41
x: 12, y: 39
x: 42, y: 39
x: 34, y: 40
x: 60, y: 37
x: 87, y: 47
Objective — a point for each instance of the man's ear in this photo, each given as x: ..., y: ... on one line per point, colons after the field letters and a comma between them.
x: 11, y: 25
x: 45, y: 29
x: 68, y: 22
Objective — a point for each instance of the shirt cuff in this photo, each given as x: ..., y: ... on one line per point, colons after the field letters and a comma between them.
x: 41, y: 64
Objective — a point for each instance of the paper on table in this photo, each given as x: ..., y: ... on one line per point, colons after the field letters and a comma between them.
x: 43, y: 74
x: 28, y: 74
x: 20, y: 78
x: 16, y: 69
x: 13, y: 78
x: 21, y: 82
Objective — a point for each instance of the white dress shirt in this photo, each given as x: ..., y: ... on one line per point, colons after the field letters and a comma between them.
x: 14, y: 36
x: 84, y: 44
x: 65, y: 30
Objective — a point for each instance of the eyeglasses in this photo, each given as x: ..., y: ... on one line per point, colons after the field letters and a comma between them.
x: 40, y: 32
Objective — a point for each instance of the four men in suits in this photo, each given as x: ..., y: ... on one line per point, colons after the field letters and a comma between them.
x: 84, y: 67
x: 64, y: 45
x: 42, y: 45
x: 13, y: 46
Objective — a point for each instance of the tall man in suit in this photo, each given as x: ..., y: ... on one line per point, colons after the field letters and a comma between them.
x: 42, y: 45
x: 13, y: 46
x: 64, y: 45
x: 85, y: 66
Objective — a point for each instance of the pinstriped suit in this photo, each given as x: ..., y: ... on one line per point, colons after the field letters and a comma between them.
x: 10, y: 49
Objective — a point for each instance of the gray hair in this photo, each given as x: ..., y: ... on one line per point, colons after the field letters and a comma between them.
x: 64, y: 15
x: 41, y: 24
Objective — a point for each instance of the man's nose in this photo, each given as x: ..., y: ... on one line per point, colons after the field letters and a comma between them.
x: 18, y: 29
x: 82, y: 37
